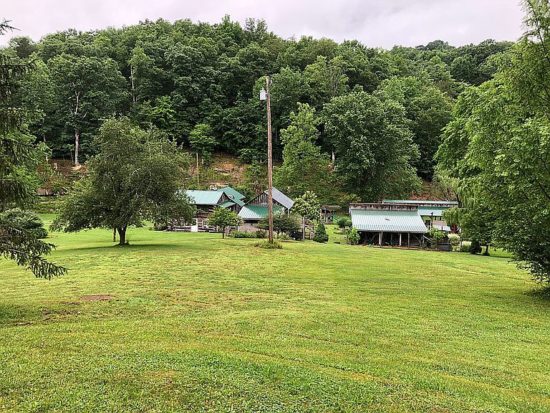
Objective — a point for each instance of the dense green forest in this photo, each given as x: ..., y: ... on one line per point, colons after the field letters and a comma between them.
x: 372, y: 116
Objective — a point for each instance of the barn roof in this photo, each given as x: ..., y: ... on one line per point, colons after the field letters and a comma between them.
x: 421, y: 203
x: 232, y: 193
x: 256, y: 212
x: 387, y: 220
x: 281, y: 198
x: 204, y: 197
x: 430, y: 211
x: 227, y: 204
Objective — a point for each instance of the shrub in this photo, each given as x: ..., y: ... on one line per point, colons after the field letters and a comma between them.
x: 436, y: 235
x: 261, y: 233
x: 465, y: 247
x: 160, y: 226
x: 475, y: 247
x: 342, y: 222
x: 269, y: 245
x: 353, y: 237
x: 281, y: 223
x: 241, y: 234
x: 283, y: 237
x: 47, y: 205
x: 454, y: 240
x: 320, y: 233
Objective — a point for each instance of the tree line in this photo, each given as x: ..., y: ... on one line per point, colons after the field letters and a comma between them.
x: 198, y: 83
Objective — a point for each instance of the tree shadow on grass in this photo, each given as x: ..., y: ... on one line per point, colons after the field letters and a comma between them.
x: 16, y: 315
x: 542, y: 293
x: 139, y: 246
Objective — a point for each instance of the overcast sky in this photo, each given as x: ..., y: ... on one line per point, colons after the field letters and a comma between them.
x: 376, y: 23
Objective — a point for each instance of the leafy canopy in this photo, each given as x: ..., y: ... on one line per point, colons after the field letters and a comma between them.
x: 373, y: 146
x: 136, y: 175
x: 223, y: 218
x: 498, y: 147
x: 307, y: 205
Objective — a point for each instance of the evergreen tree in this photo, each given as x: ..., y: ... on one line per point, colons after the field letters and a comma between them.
x: 320, y: 233
x: 20, y: 235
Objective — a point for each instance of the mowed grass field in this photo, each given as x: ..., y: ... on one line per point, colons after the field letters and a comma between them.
x: 190, y: 322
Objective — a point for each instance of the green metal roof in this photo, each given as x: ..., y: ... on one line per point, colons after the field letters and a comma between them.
x: 387, y: 221
x: 426, y: 211
x: 239, y: 202
x: 256, y: 212
x: 231, y: 192
x: 227, y: 204
x: 420, y: 202
x: 204, y: 197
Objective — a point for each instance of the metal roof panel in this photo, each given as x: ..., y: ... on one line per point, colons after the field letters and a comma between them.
x: 281, y: 198
x: 256, y: 212
x: 387, y: 221
x: 204, y: 197
x: 231, y: 193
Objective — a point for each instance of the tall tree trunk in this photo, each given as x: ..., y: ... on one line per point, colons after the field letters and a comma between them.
x: 76, y: 130
x: 114, y: 234
x: 76, y: 146
x: 223, y: 232
x: 133, y: 86
x: 303, y: 229
x: 122, y: 235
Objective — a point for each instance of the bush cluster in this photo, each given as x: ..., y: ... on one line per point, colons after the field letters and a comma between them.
x: 320, y: 233
x: 269, y: 245
x: 344, y: 222
x: 352, y: 236
x: 242, y: 234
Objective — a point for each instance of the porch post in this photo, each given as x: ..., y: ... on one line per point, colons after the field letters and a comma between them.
x: 380, y: 236
x: 408, y: 239
x: 400, y: 238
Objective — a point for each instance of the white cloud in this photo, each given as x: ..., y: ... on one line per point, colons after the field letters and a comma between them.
x: 381, y: 23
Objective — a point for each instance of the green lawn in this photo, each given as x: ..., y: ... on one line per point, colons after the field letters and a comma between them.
x: 197, y: 323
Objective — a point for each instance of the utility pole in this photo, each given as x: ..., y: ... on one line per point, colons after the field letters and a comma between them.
x: 269, y: 161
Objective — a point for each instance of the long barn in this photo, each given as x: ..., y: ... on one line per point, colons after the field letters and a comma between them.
x: 389, y: 224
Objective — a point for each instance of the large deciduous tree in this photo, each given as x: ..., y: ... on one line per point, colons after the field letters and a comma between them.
x: 87, y: 90
x: 304, y: 166
x: 202, y: 141
x: 373, y: 146
x: 136, y: 175
x: 498, y: 146
x: 428, y: 111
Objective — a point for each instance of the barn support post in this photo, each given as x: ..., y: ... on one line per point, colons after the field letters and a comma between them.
x: 400, y: 238
x: 408, y: 239
x: 380, y: 236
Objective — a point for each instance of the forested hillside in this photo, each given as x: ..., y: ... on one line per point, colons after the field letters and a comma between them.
x: 347, y: 118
